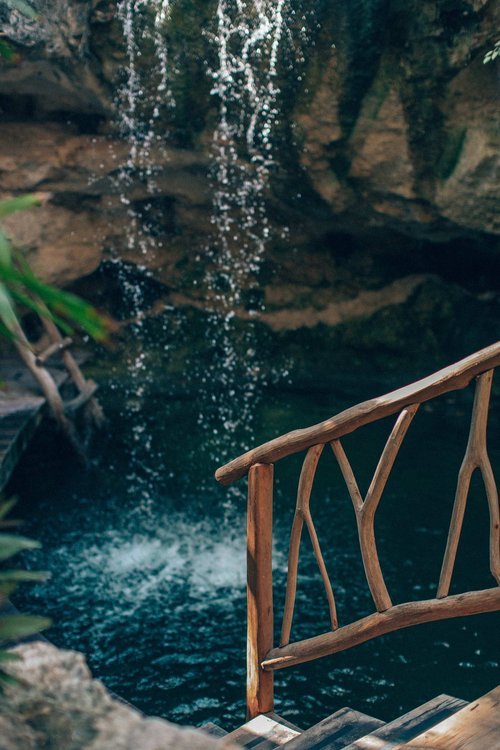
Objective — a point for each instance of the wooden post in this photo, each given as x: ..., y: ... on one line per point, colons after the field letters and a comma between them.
x: 260, y: 688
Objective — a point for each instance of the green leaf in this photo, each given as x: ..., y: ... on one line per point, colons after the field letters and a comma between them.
x: 61, y: 304
x: 23, y: 575
x: 11, y: 205
x: 7, y: 313
x: 41, y: 310
x: 23, y: 7
x: 4, y: 331
x: 7, y: 679
x: 5, y: 250
x: 6, y: 51
x: 9, y: 656
x: 19, y: 626
x: 11, y: 544
x: 6, y: 506
x: 6, y: 589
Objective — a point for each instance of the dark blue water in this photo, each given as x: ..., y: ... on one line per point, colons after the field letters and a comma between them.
x: 147, y: 555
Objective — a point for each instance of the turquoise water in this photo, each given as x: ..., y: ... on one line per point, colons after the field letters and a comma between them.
x: 147, y: 553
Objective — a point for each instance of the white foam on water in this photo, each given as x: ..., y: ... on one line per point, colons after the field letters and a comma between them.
x: 130, y: 569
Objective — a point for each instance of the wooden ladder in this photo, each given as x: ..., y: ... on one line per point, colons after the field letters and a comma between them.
x: 61, y: 410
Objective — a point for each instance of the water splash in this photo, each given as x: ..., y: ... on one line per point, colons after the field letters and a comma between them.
x: 136, y: 568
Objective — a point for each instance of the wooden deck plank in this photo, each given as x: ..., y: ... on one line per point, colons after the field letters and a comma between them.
x: 475, y: 727
x: 213, y: 729
x: 336, y: 731
x: 276, y: 717
x: 263, y: 733
x: 409, y: 725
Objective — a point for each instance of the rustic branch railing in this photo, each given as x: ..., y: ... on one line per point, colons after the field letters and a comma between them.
x: 262, y: 658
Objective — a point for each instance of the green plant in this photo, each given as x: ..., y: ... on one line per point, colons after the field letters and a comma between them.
x: 18, y: 284
x: 15, y: 626
x: 493, y: 53
x: 26, y: 10
x: 23, y: 7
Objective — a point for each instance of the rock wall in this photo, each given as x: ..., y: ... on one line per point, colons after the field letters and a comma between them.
x: 392, y: 136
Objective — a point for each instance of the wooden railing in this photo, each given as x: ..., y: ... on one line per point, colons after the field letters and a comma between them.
x: 262, y: 657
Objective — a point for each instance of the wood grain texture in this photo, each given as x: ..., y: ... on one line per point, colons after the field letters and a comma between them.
x: 450, y: 378
x: 260, y: 690
x: 348, y: 474
x: 365, y: 510
x: 334, y: 732
x: 409, y: 725
x: 475, y: 727
x: 396, y: 618
x: 476, y: 457
x: 261, y: 733
x: 303, y: 514
x: 93, y: 409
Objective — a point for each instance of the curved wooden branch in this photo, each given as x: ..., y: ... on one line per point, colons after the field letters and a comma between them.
x: 303, y: 498
x: 457, y: 517
x: 450, y: 378
x: 307, y: 475
x: 398, y: 617
x: 291, y: 581
x: 492, y: 497
x: 366, y: 516
x: 322, y: 569
x: 476, y: 456
x: 387, y: 459
x: 348, y: 474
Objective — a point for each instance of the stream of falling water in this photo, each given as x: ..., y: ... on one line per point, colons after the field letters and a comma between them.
x: 142, y: 100
x: 247, y: 39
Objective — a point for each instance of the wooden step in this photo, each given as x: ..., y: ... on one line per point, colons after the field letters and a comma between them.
x: 265, y: 732
x: 475, y: 727
x: 213, y: 729
x: 336, y: 731
x: 409, y: 725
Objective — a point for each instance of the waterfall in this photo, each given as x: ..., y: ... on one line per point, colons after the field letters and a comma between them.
x: 142, y: 101
x: 247, y: 40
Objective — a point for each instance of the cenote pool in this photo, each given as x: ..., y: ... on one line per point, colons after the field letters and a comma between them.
x: 147, y: 553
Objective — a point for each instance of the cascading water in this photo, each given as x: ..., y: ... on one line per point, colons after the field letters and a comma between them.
x: 247, y: 39
x: 142, y: 100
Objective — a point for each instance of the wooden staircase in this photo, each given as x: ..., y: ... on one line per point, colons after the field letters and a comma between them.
x: 443, y: 723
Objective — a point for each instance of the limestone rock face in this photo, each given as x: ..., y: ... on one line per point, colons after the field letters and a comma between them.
x: 56, y: 67
x: 400, y: 128
x: 87, y: 218
x: 58, y: 704
x: 395, y: 133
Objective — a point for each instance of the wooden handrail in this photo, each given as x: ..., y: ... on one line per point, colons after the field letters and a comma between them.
x: 262, y: 658
x: 398, y: 617
x: 450, y: 378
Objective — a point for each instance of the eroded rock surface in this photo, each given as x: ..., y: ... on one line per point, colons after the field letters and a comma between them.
x: 395, y: 137
x: 57, y: 704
